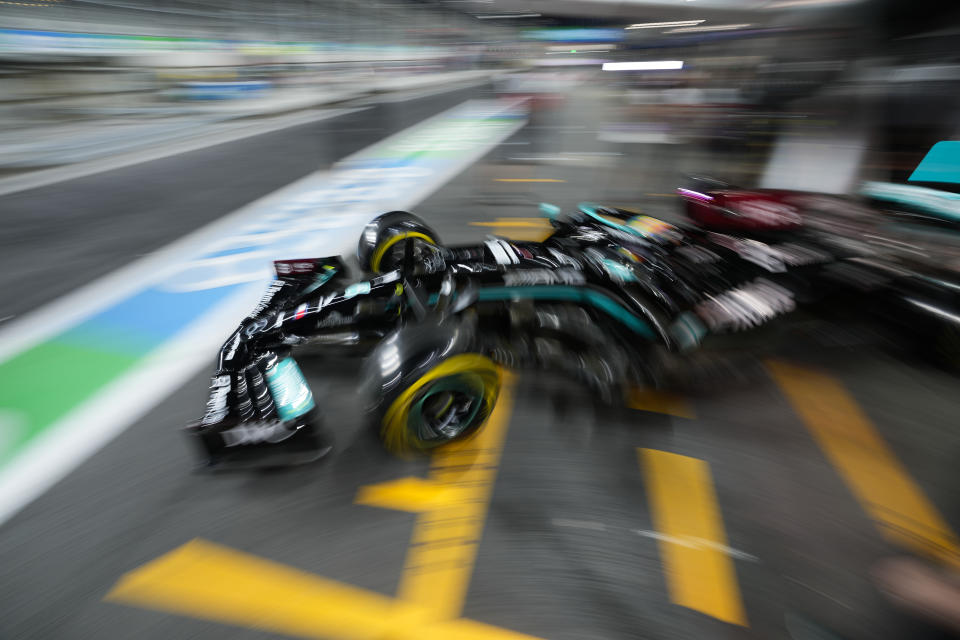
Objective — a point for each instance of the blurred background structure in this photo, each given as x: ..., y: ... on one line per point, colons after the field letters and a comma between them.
x: 156, y: 155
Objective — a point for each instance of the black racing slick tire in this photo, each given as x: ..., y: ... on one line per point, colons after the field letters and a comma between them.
x: 384, y: 242
x: 432, y: 388
x: 448, y: 402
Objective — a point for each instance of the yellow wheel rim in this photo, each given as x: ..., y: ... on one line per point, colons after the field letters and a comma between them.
x: 395, y: 431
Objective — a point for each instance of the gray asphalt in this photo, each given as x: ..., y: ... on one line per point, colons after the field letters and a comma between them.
x: 62, y: 236
x: 809, y: 545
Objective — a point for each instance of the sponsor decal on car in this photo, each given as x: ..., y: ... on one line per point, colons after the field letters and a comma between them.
x: 217, y: 407
x: 618, y: 271
x: 295, y: 267
x: 531, y: 277
x: 744, y: 307
x: 754, y: 251
x: 268, y: 296
x: 256, y: 326
x: 291, y: 394
x: 354, y: 290
x: 248, y: 433
x: 650, y: 227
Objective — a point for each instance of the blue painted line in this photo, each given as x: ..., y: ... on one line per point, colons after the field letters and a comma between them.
x: 234, y: 251
x: 139, y: 323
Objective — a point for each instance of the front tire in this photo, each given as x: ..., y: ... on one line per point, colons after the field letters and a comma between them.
x: 445, y: 403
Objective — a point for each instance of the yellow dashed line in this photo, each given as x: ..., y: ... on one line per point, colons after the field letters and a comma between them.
x: 871, y: 470
x: 524, y: 229
x: 208, y: 581
x: 453, y: 506
x: 700, y: 574
x: 211, y: 582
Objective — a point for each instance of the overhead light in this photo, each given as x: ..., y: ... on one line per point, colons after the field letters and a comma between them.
x: 658, y: 25
x: 650, y: 65
x: 718, y: 27
x: 509, y: 15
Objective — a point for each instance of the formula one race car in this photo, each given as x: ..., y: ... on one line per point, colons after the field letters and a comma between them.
x: 600, y: 299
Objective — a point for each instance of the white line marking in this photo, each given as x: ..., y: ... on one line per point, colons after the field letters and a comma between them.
x: 686, y: 541
x: 35, y: 326
x: 697, y: 543
x: 38, y: 325
x: 818, y: 592
x: 45, y: 177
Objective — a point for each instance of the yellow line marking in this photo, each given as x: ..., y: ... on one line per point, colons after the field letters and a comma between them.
x: 407, y: 494
x: 660, y: 402
x: 531, y: 229
x: 523, y: 236
x: 208, y: 581
x: 211, y: 582
x: 527, y: 180
x: 700, y: 575
x: 879, y: 481
x: 444, y: 544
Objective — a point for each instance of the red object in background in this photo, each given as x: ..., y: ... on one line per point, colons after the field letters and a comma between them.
x: 734, y: 210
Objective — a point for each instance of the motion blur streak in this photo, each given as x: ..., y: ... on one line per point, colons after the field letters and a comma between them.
x: 644, y: 399
x: 720, y: 183
x: 444, y: 543
x: 684, y: 505
x: 877, y: 478
x: 205, y: 580
x: 212, y: 582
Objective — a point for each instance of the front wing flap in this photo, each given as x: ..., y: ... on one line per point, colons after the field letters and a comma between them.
x: 262, y: 416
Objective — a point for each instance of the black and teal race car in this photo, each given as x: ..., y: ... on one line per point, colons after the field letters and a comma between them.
x: 602, y: 299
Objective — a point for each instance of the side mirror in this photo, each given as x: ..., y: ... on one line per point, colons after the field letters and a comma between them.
x: 550, y: 211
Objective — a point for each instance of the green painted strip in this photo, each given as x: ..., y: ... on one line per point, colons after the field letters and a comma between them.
x: 46, y: 382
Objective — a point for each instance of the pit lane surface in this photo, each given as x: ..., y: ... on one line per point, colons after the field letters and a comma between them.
x: 60, y: 237
x: 571, y: 542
